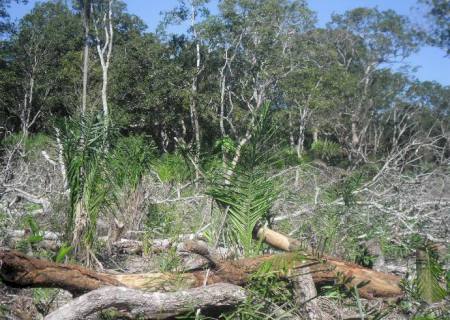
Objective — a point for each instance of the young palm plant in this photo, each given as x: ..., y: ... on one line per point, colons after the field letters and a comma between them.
x: 85, y: 155
x: 430, y: 274
x: 244, y: 191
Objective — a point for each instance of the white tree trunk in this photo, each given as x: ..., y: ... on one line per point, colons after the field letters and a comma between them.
x: 86, y: 14
x: 104, y: 53
x: 150, y: 305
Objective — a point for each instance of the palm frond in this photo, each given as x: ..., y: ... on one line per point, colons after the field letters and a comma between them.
x: 84, y: 152
x: 244, y: 190
x: 429, y: 275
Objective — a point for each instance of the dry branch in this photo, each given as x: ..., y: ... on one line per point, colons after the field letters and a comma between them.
x: 150, y: 305
x: 20, y: 270
x: 380, y: 285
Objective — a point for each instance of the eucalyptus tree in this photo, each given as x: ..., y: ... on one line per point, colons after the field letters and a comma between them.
x: 432, y: 102
x: 85, y: 6
x: 102, y: 14
x: 256, y: 40
x: 38, y: 55
x: 365, y: 40
x: 191, y: 12
x: 438, y: 12
x: 5, y: 24
x: 310, y: 93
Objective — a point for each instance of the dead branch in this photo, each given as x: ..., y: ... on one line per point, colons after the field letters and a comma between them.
x: 150, y: 305
x: 20, y: 270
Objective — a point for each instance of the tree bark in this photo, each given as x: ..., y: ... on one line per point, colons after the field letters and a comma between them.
x: 305, y: 294
x: 104, y: 53
x: 86, y: 17
x: 194, y: 88
x: 150, y: 305
x: 20, y: 270
x: 380, y: 285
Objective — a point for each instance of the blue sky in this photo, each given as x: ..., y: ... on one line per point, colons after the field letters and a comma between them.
x: 431, y: 62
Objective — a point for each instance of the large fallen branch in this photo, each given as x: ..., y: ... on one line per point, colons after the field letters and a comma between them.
x: 150, y: 305
x: 380, y: 284
x: 19, y: 270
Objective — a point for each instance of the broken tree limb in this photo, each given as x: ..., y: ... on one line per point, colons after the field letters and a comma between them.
x: 306, y: 294
x: 20, y: 270
x: 17, y: 269
x: 380, y: 284
x: 150, y: 305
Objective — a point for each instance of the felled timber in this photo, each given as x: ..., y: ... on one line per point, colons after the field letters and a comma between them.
x: 379, y: 284
x: 20, y: 270
x: 150, y: 305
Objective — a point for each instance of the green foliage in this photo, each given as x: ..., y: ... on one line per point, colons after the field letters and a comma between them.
x: 248, y: 197
x: 169, y: 261
x: 430, y: 275
x: 226, y: 145
x: 34, y: 237
x: 172, y: 167
x: 268, y: 284
x: 437, y: 12
x: 244, y: 191
x: 346, y: 188
x: 62, y: 253
x: 266, y: 290
x: 364, y: 259
x: 32, y: 145
x: 129, y: 159
x: 43, y: 299
x: 338, y: 290
x: 211, y: 164
x: 161, y: 221
x: 85, y: 155
x: 326, y: 149
x: 286, y: 157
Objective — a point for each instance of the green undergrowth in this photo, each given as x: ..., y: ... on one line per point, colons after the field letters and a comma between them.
x: 172, y: 168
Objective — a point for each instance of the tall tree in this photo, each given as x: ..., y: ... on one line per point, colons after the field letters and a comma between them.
x: 438, y: 11
x: 257, y: 35
x: 38, y: 52
x: 85, y: 6
x: 103, y: 20
x: 366, y: 39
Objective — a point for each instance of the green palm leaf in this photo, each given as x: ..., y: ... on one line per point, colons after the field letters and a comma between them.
x: 245, y: 190
x: 429, y: 275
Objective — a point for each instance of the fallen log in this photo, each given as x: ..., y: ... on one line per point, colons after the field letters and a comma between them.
x: 380, y: 284
x: 20, y: 270
x: 17, y: 269
x: 150, y: 305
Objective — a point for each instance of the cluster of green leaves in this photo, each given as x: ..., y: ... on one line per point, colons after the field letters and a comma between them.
x: 244, y: 191
x: 130, y: 158
x: 172, y: 167
x: 85, y: 157
x: 430, y: 275
x: 267, y: 290
x: 34, y: 237
x: 326, y: 149
x: 247, y: 199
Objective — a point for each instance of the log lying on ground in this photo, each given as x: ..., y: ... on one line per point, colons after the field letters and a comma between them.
x: 150, y: 305
x: 22, y: 271
x: 380, y: 285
